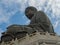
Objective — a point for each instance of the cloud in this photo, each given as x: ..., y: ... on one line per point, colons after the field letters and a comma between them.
x: 36, y: 3
x: 52, y: 8
x: 48, y: 5
x: 56, y: 24
x: 9, y: 7
x: 56, y: 8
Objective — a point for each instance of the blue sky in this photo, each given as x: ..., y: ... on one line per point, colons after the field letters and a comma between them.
x: 12, y: 12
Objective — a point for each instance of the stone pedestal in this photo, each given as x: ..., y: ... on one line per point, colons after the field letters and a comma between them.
x: 36, y: 39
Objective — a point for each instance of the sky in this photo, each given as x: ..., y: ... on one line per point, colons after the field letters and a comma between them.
x: 12, y: 12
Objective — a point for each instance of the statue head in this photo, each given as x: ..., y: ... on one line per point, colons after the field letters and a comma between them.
x: 29, y: 12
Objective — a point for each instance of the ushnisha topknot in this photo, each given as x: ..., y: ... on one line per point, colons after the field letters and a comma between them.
x: 29, y: 12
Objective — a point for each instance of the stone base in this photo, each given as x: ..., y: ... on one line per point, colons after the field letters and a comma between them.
x: 35, y: 39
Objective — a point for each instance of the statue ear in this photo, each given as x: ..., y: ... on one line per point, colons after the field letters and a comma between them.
x: 29, y: 12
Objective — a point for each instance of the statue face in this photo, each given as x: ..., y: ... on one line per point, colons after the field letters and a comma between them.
x: 29, y: 12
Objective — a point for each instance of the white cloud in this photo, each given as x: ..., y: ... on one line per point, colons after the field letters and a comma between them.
x: 54, y: 5
x: 56, y: 8
x: 36, y: 3
x: 56, y: 24
x: 51, y: 5
x: 39, y: 4
x: 4, y: 16
x: 9, y: 7
x: 7, y: 10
